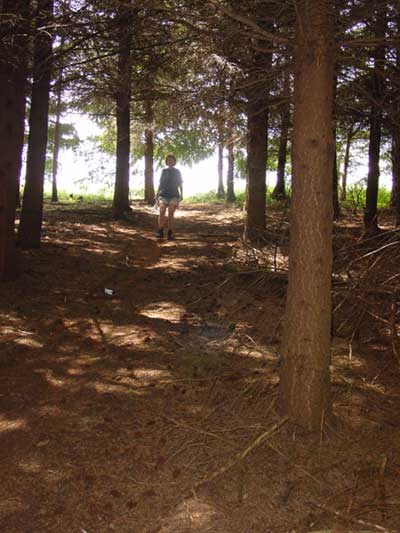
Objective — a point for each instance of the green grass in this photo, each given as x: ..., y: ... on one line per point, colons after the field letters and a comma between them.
x: 357, y: 193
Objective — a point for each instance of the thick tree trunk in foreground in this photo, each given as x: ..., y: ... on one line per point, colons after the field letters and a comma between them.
x: 257, y: 131
x: 30, y: 227
x: 12, y: 115
x: 305, y: 350
x: 123, y: 102
x: 149, y: 193
x: 230, y: 191
x: 377, y: 82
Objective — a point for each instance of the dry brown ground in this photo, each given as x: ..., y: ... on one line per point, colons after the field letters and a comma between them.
x: 129, y: 412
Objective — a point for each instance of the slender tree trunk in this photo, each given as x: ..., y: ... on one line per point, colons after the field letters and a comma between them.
x: 335, y: 182
x: 349, y: 137
x: 279, y: 192
x: 123, y: 103
x: 149, y: 194
x: 12, y: 116
x: 57, y: 140
x: 304, y: 375
x: 30, y: 227
x: 221, y: 190
x: 230, y: 191
x: 377, y: 87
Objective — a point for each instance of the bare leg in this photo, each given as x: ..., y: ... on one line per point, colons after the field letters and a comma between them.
x: 171, y: 211
x: 161, y: 217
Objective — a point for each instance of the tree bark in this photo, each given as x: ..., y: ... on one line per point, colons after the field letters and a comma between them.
x: 30, y: 227
x: 149, y: 194
x: 377, y: 87
x: 305, y: 350
x: 13, y: 45
x: 279, y: 192
x: 257, y: 131
x: 230, y: 190
x: 123, y: 102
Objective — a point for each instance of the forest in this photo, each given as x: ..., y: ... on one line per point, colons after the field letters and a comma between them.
x: 245, y: 375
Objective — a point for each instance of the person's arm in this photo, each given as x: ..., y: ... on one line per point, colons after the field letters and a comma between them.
x: 159, y: 184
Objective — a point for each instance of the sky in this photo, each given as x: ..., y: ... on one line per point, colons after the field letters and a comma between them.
x: 200, y: 178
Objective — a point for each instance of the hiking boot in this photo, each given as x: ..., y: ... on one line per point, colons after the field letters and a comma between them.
x: 170, y: 235
x: 160, y: 233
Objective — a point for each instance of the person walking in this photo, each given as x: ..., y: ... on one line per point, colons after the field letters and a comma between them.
x: 169, y: 194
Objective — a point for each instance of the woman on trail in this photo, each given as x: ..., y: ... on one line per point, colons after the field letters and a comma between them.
x: 169, y: 194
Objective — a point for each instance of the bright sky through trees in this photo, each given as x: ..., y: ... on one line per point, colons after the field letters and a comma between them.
x: 78, y: 174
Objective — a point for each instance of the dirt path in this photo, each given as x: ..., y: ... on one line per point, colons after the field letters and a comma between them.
x: 117, y: 410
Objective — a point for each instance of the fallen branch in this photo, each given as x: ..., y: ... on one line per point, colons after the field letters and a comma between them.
x: 240, y: 456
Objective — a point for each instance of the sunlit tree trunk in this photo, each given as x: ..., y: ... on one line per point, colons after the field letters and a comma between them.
x: 123, y: 103
x: 30, y: 227
x: 305, y: 350
x: 377, y: 87
x: 230, y: 190
x: 149, y: 154
x: 12, y: 114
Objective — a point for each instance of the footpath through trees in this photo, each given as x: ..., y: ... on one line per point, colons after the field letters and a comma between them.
x: 139, y: 385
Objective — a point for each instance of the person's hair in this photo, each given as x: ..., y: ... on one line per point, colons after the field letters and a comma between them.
x: 170, y: 156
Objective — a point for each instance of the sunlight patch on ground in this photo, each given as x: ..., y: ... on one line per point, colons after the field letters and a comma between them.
x: 30, y: 467
x: 11, y: 425
x: 192, y: 513
x: 170, y: 311
x: 48, y: 375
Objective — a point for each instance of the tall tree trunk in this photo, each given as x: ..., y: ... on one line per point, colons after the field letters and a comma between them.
x: 257, y: 147
x: 230, y: 191
x: 221, y: 190
x: 257, y: 131
x: 57, y: 140
x: 30, y: 227
x: 349, y: 137
x: 395, y: 197
x: 12, y: 115
x: 335, y: 182
x: 279, y: 192
x: 149, y: 154
x: 123, y: 103
x: 304, y: 374
x: 377, y: 87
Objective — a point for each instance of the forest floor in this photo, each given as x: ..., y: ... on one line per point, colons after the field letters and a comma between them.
x: 152, y: 406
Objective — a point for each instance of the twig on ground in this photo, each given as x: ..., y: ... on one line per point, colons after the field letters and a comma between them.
x: 240, y: 456
x: 350, y: 519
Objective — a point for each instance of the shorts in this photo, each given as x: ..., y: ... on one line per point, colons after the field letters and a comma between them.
x: 169, y: 201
